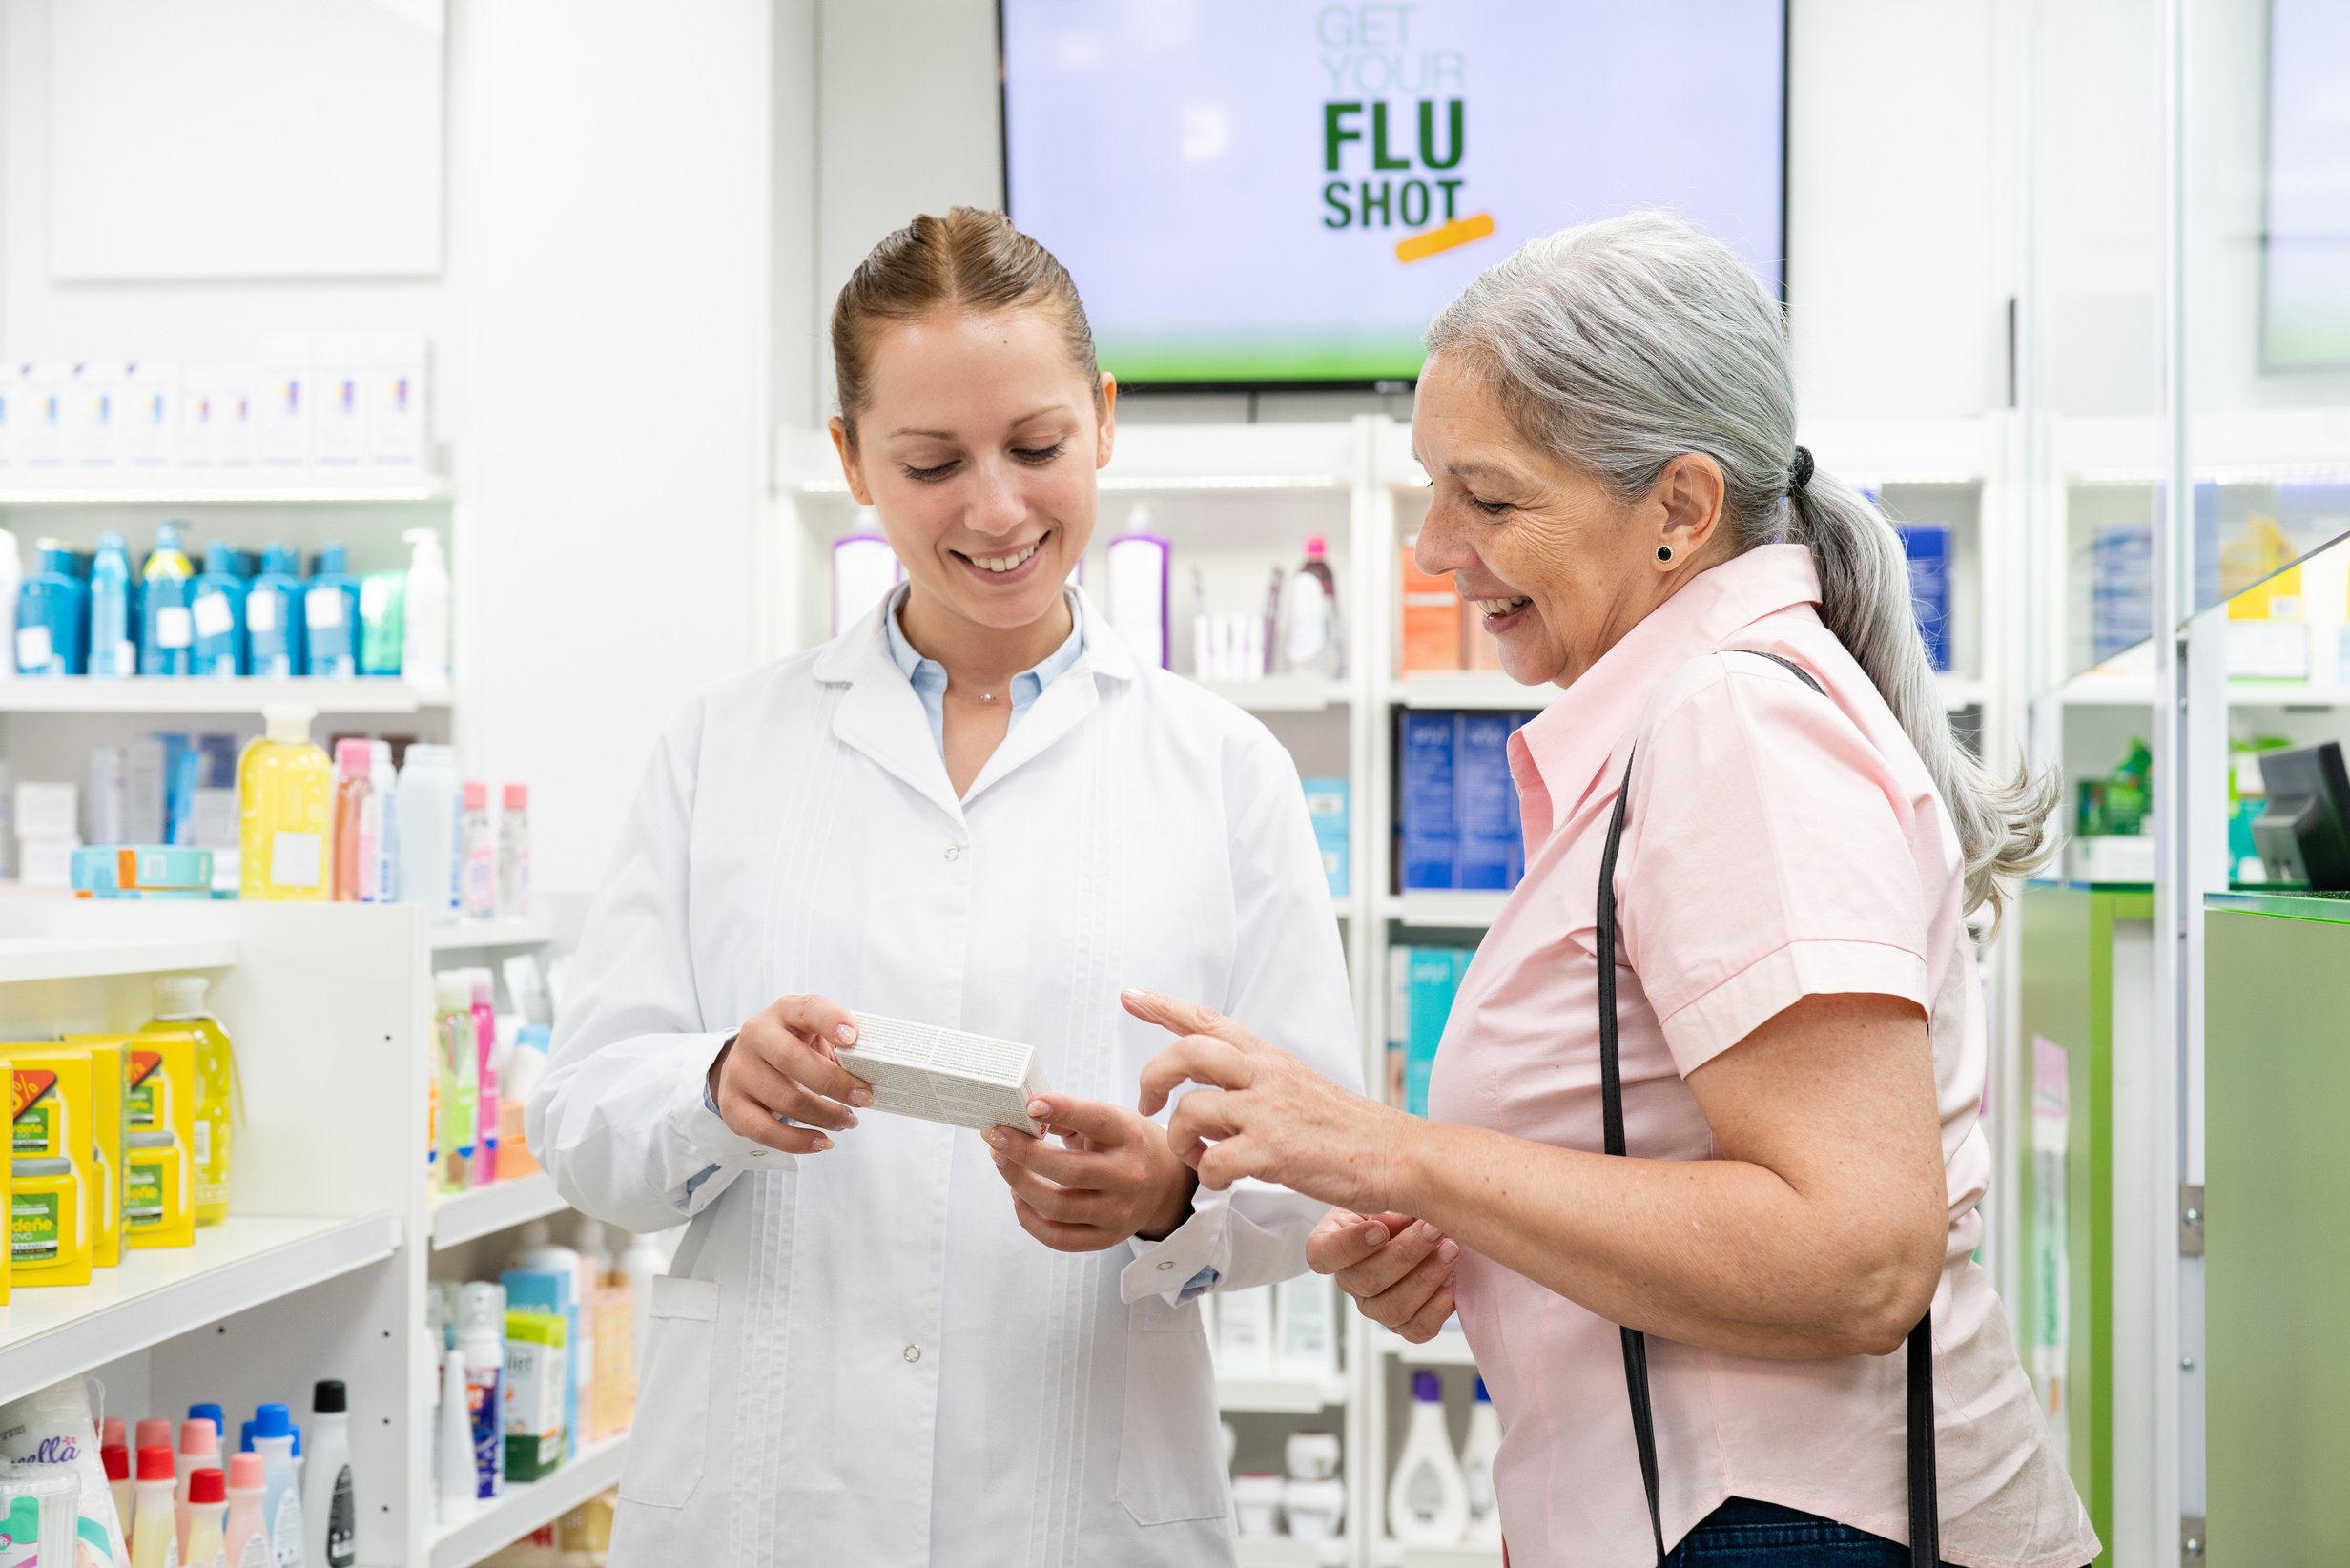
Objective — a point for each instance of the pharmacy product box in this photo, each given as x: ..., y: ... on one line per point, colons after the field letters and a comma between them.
x: 1482, y: 795
x: 1431, y: 616
x: 611, y: 1383
x: 537, y: 1386
x: 111, y: 1120
x: 1928, y: 546
x: 1431, y: 837
x: 549, y: 1290
x: 1436, y: 977
x: 1326, y: 803
x: 158, y: 1195
x: 52, y: 1184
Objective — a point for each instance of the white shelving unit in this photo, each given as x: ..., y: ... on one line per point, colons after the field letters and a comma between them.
x: 526, y: 1506
x: 423, y: 490
x: 461, y: 1217
x: 157, y: 697
x: 1236, y: 499
x: 1282, y: 1552
x: 50, y: 1334
x: 1280, y: 1395
x: 320, y: 1269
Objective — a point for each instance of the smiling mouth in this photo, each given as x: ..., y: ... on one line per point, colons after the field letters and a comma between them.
x: 1010, y: 562
x: 1503, y: 606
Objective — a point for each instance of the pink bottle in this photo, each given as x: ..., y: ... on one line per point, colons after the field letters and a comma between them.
x: 355, y: 838
x: 249, y: 1544
x: 486, y: 1078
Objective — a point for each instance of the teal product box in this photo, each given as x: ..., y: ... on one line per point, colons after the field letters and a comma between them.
x: 1426, y: 793
x: 142, y: 871
x: 532, y: 1290
x: 1328, y: 804
x: 1435, y: 980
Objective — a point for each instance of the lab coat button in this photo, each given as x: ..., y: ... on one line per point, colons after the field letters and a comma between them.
x: 1166, y: 1265
x: 914, y: 1353
x: 954, y: 851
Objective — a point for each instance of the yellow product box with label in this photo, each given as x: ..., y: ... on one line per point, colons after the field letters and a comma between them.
x: 53, y: 1188
x: 105, y: 1074
x: 158, y: 1140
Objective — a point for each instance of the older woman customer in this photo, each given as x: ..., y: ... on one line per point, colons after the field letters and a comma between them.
x: 1740, y: 956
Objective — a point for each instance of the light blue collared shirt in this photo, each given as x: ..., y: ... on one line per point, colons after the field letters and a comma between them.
x: 929, y: 676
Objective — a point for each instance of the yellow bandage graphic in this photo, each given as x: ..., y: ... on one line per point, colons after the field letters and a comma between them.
x: 1444, y: 236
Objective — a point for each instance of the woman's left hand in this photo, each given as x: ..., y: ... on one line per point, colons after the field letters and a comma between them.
x: 1112, y: 1176
x: 1261, y: 1113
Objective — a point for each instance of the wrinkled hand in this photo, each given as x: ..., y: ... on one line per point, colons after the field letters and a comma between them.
x: 1112, y: 1176
x: 1398, y: 1271
x: 785, y: 1063
x: 1259, y: 1111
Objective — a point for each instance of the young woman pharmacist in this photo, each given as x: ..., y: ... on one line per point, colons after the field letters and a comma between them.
x: 886, y: 1341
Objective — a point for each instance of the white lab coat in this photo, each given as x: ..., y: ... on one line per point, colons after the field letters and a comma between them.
x: 860, y: 1358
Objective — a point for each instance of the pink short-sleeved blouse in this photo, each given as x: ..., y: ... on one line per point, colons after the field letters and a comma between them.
x: 1779, y: 845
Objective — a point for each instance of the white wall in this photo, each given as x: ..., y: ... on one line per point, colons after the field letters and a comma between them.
x: 616, y: 317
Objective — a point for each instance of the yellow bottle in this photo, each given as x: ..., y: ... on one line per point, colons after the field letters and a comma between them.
x: 179, y: 1010
x: 285, y: 813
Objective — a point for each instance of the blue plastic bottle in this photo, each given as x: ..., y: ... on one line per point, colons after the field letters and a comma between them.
x: 217, y: 606
x: 330, y: 617
x: 166, y: 631
x: 281, y: 1503
x: 113, y: 646
x: 52, y: 616
x: 274, y: 642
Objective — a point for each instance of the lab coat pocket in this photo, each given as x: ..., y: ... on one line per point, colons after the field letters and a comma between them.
x: 1169, y: 1451
x: 671, y: 1431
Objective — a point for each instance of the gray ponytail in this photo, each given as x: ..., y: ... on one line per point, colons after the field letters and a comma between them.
x: 1618, y: 347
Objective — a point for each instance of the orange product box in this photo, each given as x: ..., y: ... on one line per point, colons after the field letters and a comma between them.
x: 1431, y: 632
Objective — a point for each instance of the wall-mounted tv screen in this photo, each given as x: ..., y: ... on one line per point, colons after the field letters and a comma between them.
x: 1282, y: 193
x: 2305, y: 283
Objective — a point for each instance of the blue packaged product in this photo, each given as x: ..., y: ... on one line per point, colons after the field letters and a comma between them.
x: 273, y: 643
x: 1434, y: 977
x: 1326, y: 803
x: 52, y: 616
x: 330, y: 617
x: 1482, y: 795
x: 114, y: 643
x: 1928, y: 546
x: 1431, y: 833
x: 216, y: 607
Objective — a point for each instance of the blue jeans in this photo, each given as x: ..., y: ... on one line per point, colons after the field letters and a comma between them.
x: 1743, y: 1534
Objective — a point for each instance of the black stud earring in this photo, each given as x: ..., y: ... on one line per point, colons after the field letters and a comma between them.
x: 1664, y: 553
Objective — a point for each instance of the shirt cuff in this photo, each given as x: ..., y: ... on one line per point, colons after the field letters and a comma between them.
x: 1171, y: 1267
x: 710, y: 1145
x: 1701, y: 1030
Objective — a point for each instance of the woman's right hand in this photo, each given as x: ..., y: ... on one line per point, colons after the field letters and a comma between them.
x: 784, y: 1064
x: 1398, y: 1270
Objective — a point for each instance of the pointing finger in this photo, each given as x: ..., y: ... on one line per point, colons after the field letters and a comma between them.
x: 1198, y: 1059
x: 1179, y: 1017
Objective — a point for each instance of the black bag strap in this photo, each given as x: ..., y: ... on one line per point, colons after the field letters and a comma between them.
x: 1924, y: 1523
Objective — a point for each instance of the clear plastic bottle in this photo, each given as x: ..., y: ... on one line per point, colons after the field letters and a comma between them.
x: 425, y: 602
x: 180, y: 1008
x: 480, y: 901
x: 286, y: 808
x: 354, y: 842
x: 155, y: 1533
x: 1312, y: 637
x: 514, y: 853
x: 248, y: 1543
x: 1428, y: 1501
x: 456, y: 1079
x: 1476, y: 1464
x: 429, y: 819
x: 383, y: 812
x: 273, y: 1439
x: 207, y: 1542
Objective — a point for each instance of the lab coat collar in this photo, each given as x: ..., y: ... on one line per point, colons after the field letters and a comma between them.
x: 882, y: 715
x: 1561, y: 751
